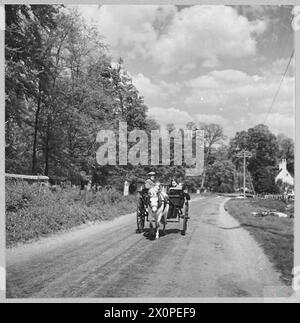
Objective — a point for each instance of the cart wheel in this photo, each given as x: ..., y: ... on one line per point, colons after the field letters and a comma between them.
x: 183, y: 232
x: 140, y: 221
x: 164, y: 227
x: 185, y: 219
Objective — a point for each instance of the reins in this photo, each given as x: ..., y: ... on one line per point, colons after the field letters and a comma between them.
x: 162, y: 201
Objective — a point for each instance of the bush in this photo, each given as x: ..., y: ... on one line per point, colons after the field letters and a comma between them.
x: 226, y: 188
x: 31, y: 213
x: 18, y: 195
x: 264, y: 181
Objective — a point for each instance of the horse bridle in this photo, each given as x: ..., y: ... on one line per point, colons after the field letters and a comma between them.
x: 160, y: 201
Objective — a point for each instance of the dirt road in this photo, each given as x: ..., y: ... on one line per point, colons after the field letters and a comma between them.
x: 216, y: 258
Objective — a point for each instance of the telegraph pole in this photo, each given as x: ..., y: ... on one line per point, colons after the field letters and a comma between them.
x: 244, y: 154
x: 244, y: 175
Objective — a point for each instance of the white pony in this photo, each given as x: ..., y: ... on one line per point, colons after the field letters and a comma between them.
x: 158, y: 209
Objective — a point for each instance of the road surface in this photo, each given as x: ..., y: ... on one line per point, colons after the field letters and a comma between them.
x: 216, y: 258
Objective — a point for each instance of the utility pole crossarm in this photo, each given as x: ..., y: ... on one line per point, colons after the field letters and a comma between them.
x: 245, y: 153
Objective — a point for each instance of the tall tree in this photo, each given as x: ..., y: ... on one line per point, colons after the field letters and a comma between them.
x: 27, y: 63
x: 213, y: 136
x: 263, y: 145
x: 221, y: 176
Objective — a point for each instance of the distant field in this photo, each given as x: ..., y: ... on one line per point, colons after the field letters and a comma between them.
x: 275, y: 235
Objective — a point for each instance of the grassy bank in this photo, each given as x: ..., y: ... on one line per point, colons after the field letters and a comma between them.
x: 31, y: 213
x: 275, y: 235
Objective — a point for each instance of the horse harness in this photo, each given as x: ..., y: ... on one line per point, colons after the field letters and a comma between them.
x: 162, y: 200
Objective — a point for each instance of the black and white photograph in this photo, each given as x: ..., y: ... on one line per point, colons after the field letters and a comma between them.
x: 150, y: 151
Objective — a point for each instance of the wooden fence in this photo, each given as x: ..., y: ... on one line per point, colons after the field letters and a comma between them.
x: 29, y: 178
x: 282, y: 197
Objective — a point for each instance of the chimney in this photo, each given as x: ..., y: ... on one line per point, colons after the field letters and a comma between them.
x: 283, y: 165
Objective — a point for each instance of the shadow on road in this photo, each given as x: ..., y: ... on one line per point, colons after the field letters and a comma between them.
x: 257, y: 227
x: 233, y: 228
x: 262, y: 228
x: 149, y: 236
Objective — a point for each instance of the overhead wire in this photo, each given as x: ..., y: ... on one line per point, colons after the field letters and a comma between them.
x: 279, y: 88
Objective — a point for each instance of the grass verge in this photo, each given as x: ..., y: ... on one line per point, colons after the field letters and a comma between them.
x: 275, y: 235
x: 31, y: 214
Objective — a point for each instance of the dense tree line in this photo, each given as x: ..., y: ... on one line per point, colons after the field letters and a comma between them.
x: 62, y: 88
x: 223, y: 171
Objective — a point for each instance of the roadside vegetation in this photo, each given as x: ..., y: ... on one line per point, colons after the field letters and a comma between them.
x: 275, y: 235
x: 32, y: 213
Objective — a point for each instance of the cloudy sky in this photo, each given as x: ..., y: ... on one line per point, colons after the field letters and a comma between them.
x: 215, y: 64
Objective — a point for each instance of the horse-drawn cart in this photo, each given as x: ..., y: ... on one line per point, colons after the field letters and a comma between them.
x: 178, y: 210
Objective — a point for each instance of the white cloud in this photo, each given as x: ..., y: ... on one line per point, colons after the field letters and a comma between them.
x: 212, y: 118
x: 277, y: 122
x: 280, y: 123
x: 243, y: 100
x: 278, y: 67
x: 165, y: 116
x: 231, y: 98
x: 219, y: 80
x: 133, y: 30
x: 209, y: 33
x: 187, y: 68
x: 155, y: 92
x: 156, y: 40
x: 174, y: 38
x: 235, y: 91
x: 145, y: 86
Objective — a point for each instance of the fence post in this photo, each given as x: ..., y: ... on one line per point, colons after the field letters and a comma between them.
x: 126, y: 188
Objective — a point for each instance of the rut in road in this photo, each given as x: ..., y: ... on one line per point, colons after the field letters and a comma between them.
x: 62, y: 264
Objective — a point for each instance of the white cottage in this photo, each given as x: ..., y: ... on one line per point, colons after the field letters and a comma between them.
x: 284, y: 176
